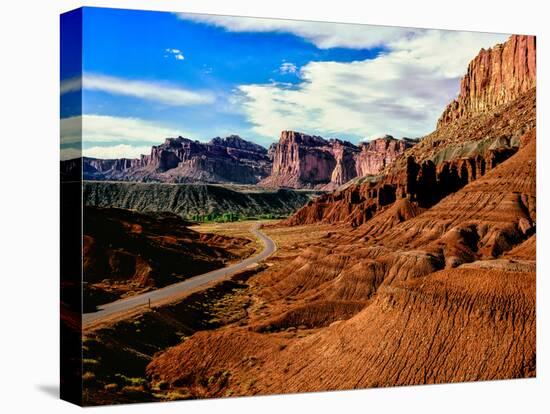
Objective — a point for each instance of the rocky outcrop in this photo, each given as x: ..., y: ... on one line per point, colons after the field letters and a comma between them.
x: 461, y: 150
x: 231, y: 159
x: 344, y: 154
x: 300, y: 160
x: 380, y: 153
x: 305, y: 161
x: 495, y: 77
x: 234, y: 141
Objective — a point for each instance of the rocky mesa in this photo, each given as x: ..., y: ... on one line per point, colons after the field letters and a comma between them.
x: 297, y: 160
x: 231, y: 159
x: 306, y: 161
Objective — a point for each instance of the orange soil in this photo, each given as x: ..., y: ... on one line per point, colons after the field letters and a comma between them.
x: 413, y: 296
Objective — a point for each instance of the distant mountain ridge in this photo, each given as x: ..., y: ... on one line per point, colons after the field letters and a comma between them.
x: 230, y: 159
x: 297, y: 160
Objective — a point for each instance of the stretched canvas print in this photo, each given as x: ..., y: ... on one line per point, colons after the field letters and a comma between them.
x: 257, y: 206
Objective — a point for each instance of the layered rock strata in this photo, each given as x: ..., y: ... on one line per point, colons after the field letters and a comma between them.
x: 231, y: 159
x: 464, y: 147
x: 495, y: 77
x: 305, y: 161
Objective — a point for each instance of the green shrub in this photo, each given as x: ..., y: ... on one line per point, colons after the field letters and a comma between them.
x: 131, y: 381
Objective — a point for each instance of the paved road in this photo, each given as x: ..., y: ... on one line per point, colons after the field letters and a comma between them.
x: 180, y: 288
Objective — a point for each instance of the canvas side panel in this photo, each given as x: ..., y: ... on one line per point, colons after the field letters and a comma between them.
x: 71, y: 206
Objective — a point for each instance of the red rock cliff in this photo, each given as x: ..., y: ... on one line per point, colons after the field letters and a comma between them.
x: 494, y: 116
x: 304, y: 161
x: 300, y: 160
x: 230, y: 159
x: 379, y: 153
x: 496, y: 76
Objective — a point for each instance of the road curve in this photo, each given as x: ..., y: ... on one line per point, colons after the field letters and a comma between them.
x: 179, y: 289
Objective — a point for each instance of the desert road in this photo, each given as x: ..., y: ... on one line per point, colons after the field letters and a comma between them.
x: 180, y: 288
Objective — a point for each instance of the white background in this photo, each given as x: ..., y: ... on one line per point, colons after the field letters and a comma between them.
x: 29, y: 205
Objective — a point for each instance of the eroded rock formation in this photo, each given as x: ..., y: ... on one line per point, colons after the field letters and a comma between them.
x: 422, y: 274
x: 231, y: 159
x: 495, y: 77
x: 497, y: 107
x: 380, y: 153
x: 414, y: 296
x: 300, y: 160
x: 305, y: 161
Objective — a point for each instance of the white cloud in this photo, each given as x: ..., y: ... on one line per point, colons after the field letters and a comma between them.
x: 70, y: 85
x: 288, y: 67
x: 176, y: 53
x: 71, y: 130
x: 153, y: 91
x: 116, y: 151
x: 401, y: 92
x: 120, y: 137
x: 117, y: 130
x: 323, y: 35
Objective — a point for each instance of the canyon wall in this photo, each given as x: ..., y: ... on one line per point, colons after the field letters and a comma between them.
x: 380, y: 153
x: 231, y: 159
x: 305, y: 161
x: 481, y: 129
x: 495, y: 77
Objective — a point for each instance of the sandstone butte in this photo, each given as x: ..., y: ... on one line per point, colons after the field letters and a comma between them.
x: 424, y: 274
x: 305, y: 161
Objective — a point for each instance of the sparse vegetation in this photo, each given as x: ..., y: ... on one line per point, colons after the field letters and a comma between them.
x: 119, y: 367
x: 131, y: 381
x: 239, y: 202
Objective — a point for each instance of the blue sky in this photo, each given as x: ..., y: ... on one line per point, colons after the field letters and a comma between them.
x: 148, y: 75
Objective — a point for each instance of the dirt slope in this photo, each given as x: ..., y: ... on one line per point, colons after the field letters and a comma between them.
x: 126, y: 252
x: 424, y: 274
x: 443, y: 294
